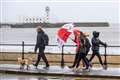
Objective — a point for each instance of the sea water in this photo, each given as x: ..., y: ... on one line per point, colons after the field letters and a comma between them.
x: 110, y: 35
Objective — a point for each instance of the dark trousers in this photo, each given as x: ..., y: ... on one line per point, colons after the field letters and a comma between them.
x: 98, y: 55
x: 83, y: 57
x: 75, y: 60
x: 87, y: 51
x: 41, y: 55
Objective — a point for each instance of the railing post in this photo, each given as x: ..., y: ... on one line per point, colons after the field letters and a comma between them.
x: 23, y: 50
x: 62, y: 59
x: 105, y: 62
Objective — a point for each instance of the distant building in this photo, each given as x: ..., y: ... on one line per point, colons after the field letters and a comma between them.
x: 5, y: 26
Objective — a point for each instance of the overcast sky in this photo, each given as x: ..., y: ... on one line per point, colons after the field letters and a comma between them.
x: 74, y: 11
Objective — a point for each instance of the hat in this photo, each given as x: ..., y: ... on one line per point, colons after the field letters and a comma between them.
x: 96, y: 34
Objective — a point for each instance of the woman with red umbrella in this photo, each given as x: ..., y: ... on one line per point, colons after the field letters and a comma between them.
x: 80, y: 50
x: 77, y: 41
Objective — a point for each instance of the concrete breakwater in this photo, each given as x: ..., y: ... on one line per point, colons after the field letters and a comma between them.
x: 55, y: 59
x: 54, y: 25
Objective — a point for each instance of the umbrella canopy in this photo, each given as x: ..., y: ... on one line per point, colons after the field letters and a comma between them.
x: 64, y: 32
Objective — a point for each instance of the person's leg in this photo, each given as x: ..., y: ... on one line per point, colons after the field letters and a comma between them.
x: 93, y: 55
x: 39, y: 56
x: 44, y: 57
x: 91, y: 58
x: 38, y: 59
x: 99, y: 57
x: 85, y: 61
x: 85, y: 58
x: 87, y: 51
x: 75, y: 60
x: 79, y: 59
x: 45, y: 60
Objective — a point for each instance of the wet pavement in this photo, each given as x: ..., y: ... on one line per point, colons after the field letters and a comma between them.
x: 61, y: 73
x: 4, y: 76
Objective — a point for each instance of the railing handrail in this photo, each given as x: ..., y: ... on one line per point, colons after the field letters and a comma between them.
x: 51, y: 45
x: 62, y: 58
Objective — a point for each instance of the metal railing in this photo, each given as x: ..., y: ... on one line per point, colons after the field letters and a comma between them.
x: 62, y: 52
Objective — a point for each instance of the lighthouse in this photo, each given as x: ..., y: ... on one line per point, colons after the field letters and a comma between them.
x: 47, y: 10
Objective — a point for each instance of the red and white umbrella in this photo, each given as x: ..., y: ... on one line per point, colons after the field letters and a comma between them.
x: 63, y: 33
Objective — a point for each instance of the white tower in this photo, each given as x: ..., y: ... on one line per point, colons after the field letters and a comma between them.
x: 47, y: 10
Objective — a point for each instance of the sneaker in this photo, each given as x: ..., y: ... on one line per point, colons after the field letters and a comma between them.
x: 86, y: 69
x: 71, y: 66
x: 46, y: 67
x: 35, y: 66
x: 104, y: 66
x: 76, y: 69
x: 90, y: 64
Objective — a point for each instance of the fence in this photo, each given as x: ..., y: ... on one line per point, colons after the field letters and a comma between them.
x: 62, y: 51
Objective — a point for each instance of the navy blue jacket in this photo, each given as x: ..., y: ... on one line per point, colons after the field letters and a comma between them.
x: 96, y: 43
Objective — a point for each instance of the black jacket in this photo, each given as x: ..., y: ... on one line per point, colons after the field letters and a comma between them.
x: 95, y: 43
x: 83, y: 46
x: 40, y: 39
x: 87, y: 44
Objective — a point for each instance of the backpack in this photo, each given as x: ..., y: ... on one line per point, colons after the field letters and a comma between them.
x: 46, y: 39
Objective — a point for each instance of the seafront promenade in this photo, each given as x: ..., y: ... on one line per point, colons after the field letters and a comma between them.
x: 110, y: 73
x: 9, y: 65
x: 55, y: 59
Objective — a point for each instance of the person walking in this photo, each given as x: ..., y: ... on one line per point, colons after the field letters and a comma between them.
x: 87, y: 45
x: 96, y: 42
x: 42, y: 41
x: 77, y: 41
x: 80, y: 52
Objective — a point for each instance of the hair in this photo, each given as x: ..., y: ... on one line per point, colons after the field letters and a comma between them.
x: 39, y: 29
x: 86, y: 34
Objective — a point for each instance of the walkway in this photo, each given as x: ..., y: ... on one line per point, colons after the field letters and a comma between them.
x: 58, y: 71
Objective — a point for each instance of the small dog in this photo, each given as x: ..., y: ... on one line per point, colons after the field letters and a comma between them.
x: 23, y: 62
